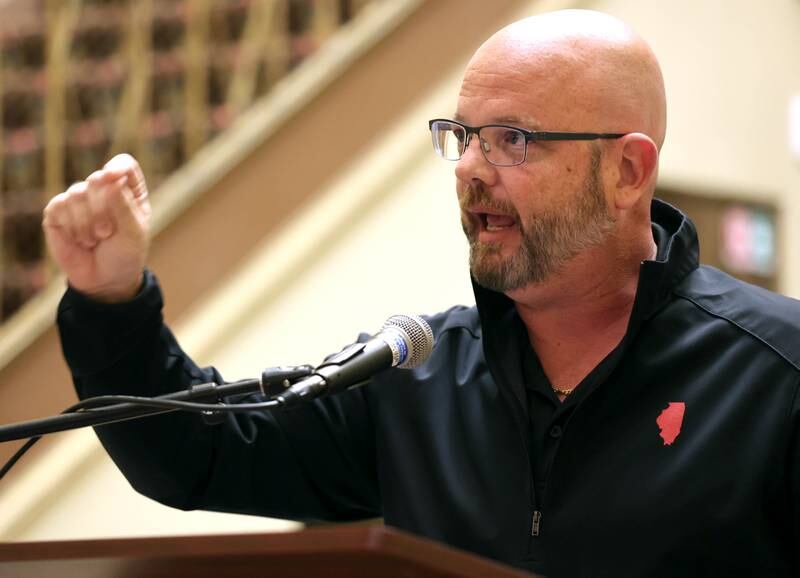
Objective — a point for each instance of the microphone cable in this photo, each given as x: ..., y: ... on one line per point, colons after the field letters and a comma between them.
x: 100, y: 403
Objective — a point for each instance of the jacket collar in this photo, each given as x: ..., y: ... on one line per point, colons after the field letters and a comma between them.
x: 677, y: 256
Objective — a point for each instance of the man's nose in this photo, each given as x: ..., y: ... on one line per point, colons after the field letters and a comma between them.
x: 473, y: 164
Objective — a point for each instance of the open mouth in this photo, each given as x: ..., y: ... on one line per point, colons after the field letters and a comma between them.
x: 493, y: 222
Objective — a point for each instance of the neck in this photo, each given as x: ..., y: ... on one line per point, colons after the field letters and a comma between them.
x: 580, y: 315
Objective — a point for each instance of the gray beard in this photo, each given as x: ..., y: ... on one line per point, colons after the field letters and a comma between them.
x: 549, y: 241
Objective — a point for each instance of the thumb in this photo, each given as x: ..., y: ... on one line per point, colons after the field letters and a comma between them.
x: 127, y: 166
x: 125, y: 210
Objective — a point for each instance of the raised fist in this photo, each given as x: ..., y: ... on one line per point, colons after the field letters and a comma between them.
x: 98, y: 231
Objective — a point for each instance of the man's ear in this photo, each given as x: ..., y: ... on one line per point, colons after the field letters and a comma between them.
x: 638, y: 161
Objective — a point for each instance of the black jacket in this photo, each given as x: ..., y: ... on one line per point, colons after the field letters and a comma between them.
x: 680, y: 457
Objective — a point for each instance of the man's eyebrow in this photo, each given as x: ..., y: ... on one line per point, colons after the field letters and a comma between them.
x: 521, y: 122
x: 528, y: 122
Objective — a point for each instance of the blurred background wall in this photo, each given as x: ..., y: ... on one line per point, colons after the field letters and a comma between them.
x: 278, y: 244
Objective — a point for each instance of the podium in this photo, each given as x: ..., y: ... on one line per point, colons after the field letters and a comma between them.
x: 331, y: 552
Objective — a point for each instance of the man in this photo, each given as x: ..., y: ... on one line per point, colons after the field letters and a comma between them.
x: 609, y: 408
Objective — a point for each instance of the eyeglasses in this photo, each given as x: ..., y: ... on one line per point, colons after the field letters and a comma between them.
x: 502, y: 145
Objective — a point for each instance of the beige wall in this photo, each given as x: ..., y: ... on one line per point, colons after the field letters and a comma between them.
x: 730, y: 68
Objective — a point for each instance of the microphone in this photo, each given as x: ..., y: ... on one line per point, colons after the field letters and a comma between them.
x: 404, y: 341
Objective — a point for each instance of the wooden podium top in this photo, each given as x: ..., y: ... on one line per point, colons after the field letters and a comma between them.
x: 331, y: 552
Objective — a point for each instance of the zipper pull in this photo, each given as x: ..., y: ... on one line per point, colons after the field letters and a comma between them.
x: 537, y: 523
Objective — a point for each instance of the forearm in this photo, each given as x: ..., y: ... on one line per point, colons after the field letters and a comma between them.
x: 125, y: 349
x: 285, y: 465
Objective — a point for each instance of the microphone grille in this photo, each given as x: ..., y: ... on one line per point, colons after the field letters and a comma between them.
x: 420, y: 338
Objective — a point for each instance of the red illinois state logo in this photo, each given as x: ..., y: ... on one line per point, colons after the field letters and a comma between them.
x: 670, y: 421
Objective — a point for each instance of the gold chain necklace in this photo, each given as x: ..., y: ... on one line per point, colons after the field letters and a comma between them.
x: 564, y: 392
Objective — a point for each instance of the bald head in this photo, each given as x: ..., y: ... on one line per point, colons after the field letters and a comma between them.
x: 600, y: 72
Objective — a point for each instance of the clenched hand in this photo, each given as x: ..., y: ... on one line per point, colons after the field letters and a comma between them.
x: 98, y: 231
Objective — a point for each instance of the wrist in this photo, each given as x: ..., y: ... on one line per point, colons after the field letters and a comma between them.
x: 114, y: 293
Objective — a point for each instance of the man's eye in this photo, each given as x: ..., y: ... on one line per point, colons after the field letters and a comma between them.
x: 512, y: 137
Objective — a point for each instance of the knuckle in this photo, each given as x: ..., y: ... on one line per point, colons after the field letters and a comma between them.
x: 95, y: 176
x: 48, y: 212
x: 75, y: 189
x: 55, y: 205
x: 54, y: 218
x: 56, y: 201
x: 121, y: 161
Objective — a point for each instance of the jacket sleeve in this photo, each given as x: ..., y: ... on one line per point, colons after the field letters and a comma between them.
x: 313, y: 462
x: 793, y: 458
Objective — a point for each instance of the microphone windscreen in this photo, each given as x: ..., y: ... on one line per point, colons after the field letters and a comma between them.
x: 419, y: 338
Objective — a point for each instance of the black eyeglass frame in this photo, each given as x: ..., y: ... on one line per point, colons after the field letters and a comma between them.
x: 530, y: 136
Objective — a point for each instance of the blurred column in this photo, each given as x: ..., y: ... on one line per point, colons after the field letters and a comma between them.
x: 250, y: 49
x: 130, y: 126
x: 195, y: 125
x: 277, y: 52
x: 325, y: 18
x: 61, y: 17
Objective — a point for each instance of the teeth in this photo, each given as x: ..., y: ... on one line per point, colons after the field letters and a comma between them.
x: 497, y: 222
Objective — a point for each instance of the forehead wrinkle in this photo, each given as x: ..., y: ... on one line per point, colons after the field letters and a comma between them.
x: 503, y: 79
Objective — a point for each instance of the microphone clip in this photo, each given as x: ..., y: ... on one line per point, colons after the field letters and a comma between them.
x: 276, y: 380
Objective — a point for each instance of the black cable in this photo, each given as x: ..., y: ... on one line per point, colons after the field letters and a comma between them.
x: 106, y: 400
x: 17, y: 455
x: 25, y: 447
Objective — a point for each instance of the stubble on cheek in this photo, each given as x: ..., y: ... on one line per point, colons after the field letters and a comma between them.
x: 548, y: 240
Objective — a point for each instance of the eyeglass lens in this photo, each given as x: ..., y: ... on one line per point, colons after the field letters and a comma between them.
x: 500, y: 145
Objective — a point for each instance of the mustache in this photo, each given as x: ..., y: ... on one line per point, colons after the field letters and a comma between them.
x: 477, y: 195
